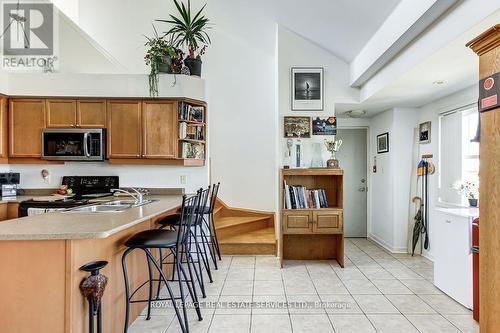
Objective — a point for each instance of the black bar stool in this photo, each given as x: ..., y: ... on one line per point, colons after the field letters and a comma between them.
x: 197, y: 237
x: 210, y: 222
x: 173, y: 241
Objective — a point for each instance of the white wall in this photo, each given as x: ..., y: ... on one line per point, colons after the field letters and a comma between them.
x: 389, y: 194
x: 430, y: 112
x: 296, y: 51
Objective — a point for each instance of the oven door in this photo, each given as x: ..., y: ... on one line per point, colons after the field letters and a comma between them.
x: 73, y: 144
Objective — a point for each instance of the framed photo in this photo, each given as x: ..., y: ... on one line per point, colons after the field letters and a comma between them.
x: 321, y: 126
x: 383, y: 143
x: 424, y: 132
x: 307, y: 88
x: 297, y: 127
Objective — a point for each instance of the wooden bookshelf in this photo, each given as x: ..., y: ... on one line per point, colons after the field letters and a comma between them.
x: 184, y: 119
x: 313, y: 233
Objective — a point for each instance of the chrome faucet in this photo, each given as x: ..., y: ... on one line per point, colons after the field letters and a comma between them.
x: 137, y: 195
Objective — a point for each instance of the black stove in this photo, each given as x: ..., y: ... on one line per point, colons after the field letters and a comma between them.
x: 84, y: 189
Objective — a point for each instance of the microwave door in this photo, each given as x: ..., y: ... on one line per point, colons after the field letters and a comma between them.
x: 63, y: 145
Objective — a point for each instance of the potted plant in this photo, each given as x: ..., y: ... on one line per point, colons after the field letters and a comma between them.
x: 190, y: 31
x: 468, y: 189
x: 161, y: 57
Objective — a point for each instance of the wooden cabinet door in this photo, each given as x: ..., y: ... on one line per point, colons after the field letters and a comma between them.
x: 91, y: 113
x: 26, y: 121
x: 297, y: 223
x: 327, y: 222
x: 159, y: 129
x: 61, y: 113
x: 124, y: 128
x: 4, y: 128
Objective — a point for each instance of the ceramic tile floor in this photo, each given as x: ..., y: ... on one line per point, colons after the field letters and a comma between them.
x: 375, y: 292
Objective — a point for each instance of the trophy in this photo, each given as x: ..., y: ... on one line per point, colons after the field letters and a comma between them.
x: 333, y: 147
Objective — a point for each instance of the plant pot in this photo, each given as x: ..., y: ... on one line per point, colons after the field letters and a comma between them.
x: 194, y: 65
x: 166, y: 65
x: 473, y: 202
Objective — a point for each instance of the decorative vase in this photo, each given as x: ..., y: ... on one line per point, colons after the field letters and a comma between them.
x: 473, y: 202
x: 166, y: 65
x: 194, y: 65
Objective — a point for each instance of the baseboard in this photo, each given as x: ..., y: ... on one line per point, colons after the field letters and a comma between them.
x: 387, y: 246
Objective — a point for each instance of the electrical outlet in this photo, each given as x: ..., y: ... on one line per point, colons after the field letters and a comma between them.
x: 183, y: 179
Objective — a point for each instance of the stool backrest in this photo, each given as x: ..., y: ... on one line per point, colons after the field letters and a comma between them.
x: 213, y: 197
x: 205, y: 193
x: 189, y: 216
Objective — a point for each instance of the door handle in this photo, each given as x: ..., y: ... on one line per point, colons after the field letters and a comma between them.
x: 362, y: 189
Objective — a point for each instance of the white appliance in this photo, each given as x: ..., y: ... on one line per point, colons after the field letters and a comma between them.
x: 452, y: 243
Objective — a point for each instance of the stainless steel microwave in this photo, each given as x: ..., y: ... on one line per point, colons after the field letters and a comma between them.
x: 74, y: 144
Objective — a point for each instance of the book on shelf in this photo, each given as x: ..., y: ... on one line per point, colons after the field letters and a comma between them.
x: 191, y: 113
x: 300, y: 197
x: 193, y: 150
x: 191, y: 132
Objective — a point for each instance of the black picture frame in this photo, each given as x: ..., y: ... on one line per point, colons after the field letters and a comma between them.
x: 307, y: 88
x: 383, y: 143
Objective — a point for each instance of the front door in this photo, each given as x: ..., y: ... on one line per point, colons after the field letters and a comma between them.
x: 352, y: 157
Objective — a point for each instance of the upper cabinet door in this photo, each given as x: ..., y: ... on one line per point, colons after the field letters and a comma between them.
x: 3, y: 128
x: 61, y: 113
x: 26, y: 121
x: 91, y: 113
x: 159, y: 129
x: 124, y: 128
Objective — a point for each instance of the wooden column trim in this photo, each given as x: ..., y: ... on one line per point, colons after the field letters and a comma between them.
x: 487, y: 47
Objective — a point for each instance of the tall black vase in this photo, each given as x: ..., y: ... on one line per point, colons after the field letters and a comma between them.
x: 194, y: 65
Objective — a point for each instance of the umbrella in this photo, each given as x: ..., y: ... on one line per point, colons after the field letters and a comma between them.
x: 419, y: 225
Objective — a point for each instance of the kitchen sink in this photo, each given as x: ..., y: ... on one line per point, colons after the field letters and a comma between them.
x: 115, y: 206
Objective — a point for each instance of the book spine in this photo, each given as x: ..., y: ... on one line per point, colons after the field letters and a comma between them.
x: 292, y: 198
x: 325, y: 200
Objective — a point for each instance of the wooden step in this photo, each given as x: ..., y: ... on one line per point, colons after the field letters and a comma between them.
x: 261, y: 241
x: 231, y: 225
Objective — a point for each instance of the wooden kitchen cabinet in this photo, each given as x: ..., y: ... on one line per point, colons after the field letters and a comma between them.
x: 297, y: 222
x: 124, y: 128
x: 159, y: 129
x: 26, y: 121
x: 91, y: 113
x: 61, y: 113
x: 327, y: 222
x: 4, y: 130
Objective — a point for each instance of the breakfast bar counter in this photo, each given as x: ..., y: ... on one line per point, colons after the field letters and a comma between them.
x: 41, y: 256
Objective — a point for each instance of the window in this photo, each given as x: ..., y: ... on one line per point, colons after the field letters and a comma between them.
x: 458, y: 156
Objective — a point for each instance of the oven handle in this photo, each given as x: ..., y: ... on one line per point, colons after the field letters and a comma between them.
x: 86, y: 145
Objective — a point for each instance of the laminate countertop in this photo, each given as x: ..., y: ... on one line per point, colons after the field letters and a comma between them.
x: 80, y: 225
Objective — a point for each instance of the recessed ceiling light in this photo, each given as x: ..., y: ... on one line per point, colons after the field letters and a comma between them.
x: 355, y: 113
x: 438, y: 82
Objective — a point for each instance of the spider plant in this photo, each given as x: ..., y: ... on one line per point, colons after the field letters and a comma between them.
x: 188, y: 30
x: 161, y: 56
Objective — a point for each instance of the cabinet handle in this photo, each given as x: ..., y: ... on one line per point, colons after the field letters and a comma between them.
x: 138, y: 155
x: 72, y: 125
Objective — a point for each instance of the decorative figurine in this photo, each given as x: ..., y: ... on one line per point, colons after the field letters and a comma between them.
x: 333, y: 147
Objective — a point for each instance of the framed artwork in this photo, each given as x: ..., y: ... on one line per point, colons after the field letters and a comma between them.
x: 322, y: 126
x: 383, y: 143
x: 307, y: 88
x: 425, y: 132
x: 297, y: 127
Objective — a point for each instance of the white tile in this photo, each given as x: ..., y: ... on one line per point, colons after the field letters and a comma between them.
x: 350, y: 274
x: 421, y: 287
x: 432, y: 324
x: 311, y: 323
x: 157, y: 324
x: 271, y: 324
x: 268, y: 273
x: 375, y: 304
x: 195, y: 325
x: 238, y: 274
x: 361, y: 287
x: 395, y: 323
x: 304, y: 304
x: 267, y: 261
x: 237, y: 288
x: 243, y: 262
x: 445, y: 305
x: 234, y: 305
x: 230, y: 324
x: 377, y: 273
x: 299, y: 287
x: 269, y: 304
x: 404, y: 273
x: 340, y: 304
x: 391, y: 287
x: 329, y: 286
x: 268, y: 288
x: 410, y: 304
x: 351, y: 324
x: 465, y: 323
